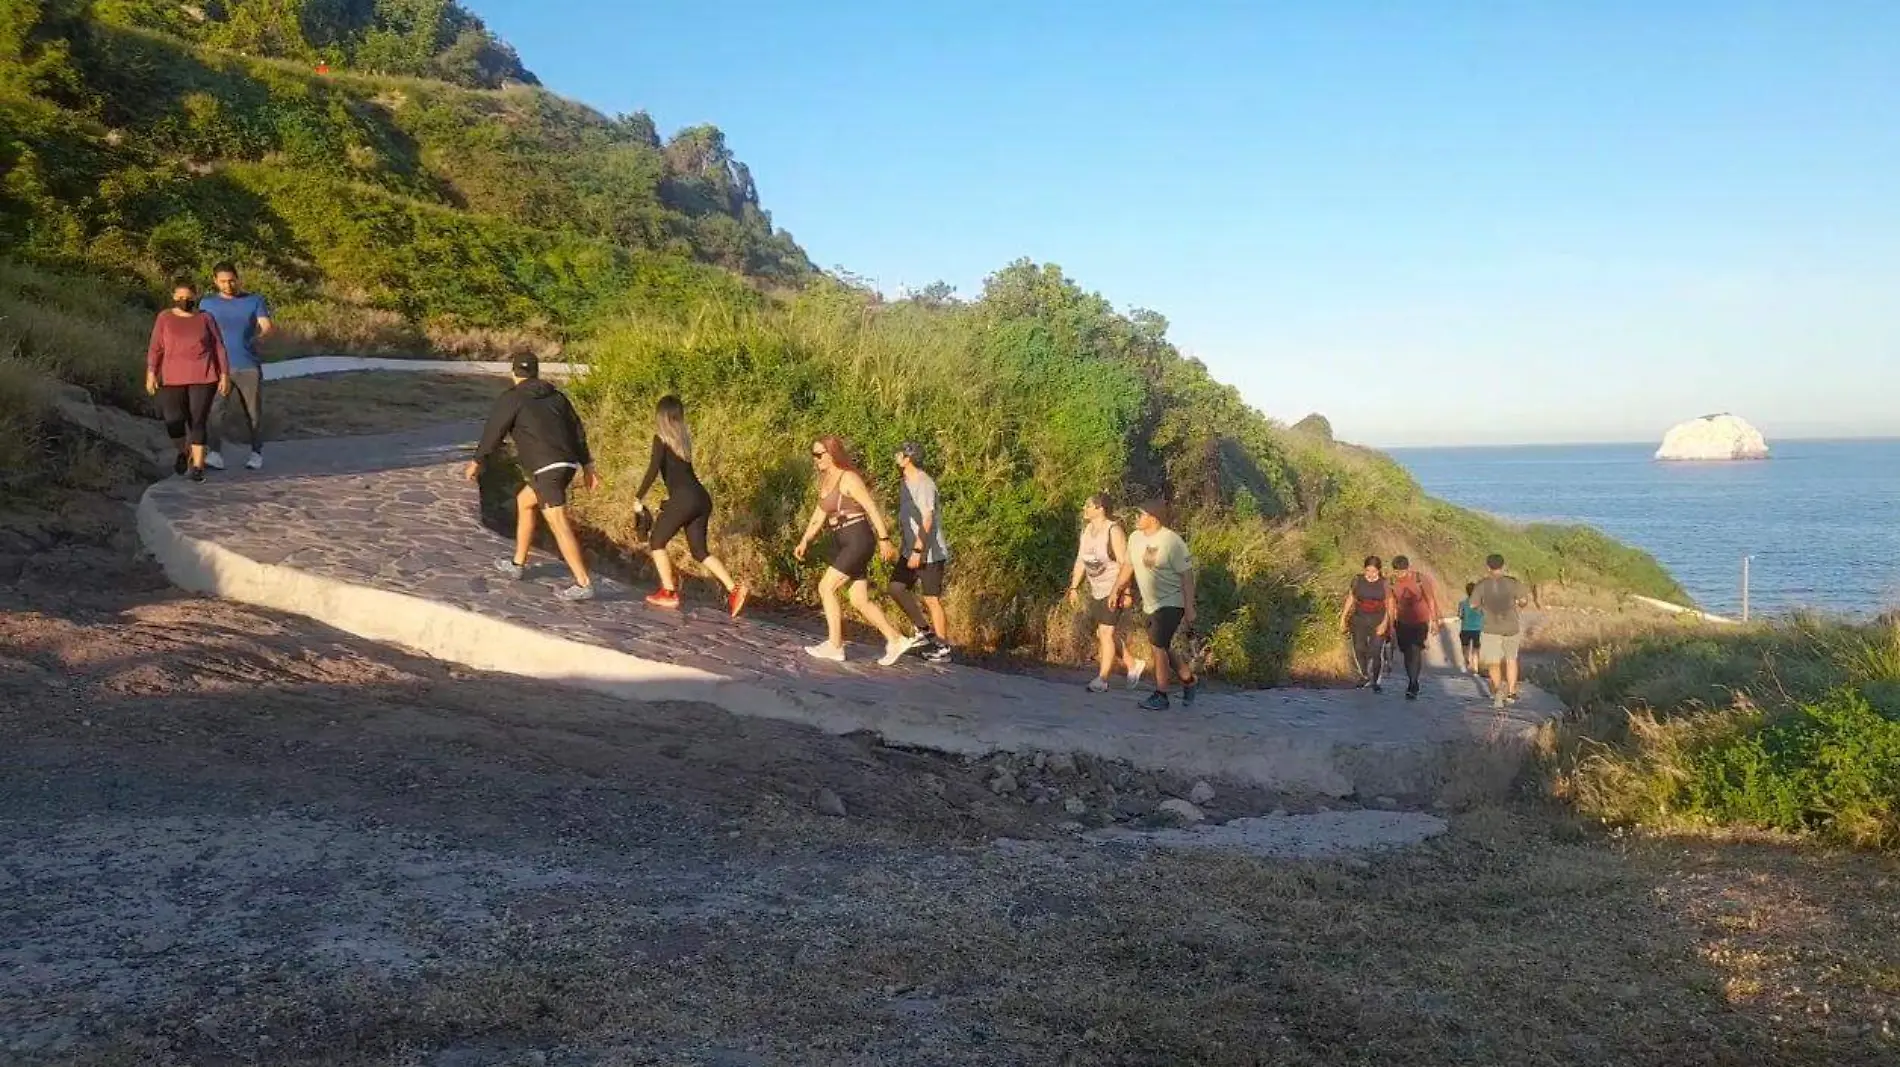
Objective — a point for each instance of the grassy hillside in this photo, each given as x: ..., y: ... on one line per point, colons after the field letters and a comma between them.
x: 1032, y: 397
x: 382, y: 211
x: 1790, y: 726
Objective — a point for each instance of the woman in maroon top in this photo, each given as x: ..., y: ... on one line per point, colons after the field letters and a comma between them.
x: 185, y: 368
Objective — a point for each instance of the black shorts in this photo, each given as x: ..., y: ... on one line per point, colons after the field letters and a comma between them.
x: 1163, y: 624
x: 1468, y: 639
x: 1104, y: 612
x: 1412, y: 634
x: 852, y: 547
x: 689, y: 512
x: 928, y: 578
x: 550, y: 485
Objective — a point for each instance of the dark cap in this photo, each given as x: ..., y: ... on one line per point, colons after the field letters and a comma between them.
x: 526, y: 367
x: 913, y: 451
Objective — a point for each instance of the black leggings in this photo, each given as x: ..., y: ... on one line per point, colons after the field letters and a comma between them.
x: 687, y: 511
x: 1368, y: 648
x: 1412, y: 637
x: 186, y: 409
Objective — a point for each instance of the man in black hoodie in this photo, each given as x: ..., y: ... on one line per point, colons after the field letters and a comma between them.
x: 551, y: 447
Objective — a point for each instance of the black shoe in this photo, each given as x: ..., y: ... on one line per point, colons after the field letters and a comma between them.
x: 197, y: 474
x: 1411, y: 694
x: 1377, y: 688
x: 937, y: 653
x: 1157, y: 701
x: 1362, y: 684
x: 181, y: 464
x: 1189, y: 692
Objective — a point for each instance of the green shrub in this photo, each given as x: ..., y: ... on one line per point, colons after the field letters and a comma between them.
x: 1792, y: 727
x: 1832, y: 767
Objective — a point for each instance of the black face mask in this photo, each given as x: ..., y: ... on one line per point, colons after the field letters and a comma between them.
x: 187, y: 304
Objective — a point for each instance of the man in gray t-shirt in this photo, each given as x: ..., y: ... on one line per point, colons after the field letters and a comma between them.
x: 921, y: 554
x: 1500, y: 596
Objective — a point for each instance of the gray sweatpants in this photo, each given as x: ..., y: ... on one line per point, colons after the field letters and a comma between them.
x: 247, y: 390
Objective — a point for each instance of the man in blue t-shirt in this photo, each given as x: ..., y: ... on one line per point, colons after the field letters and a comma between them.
x: 242, y: 318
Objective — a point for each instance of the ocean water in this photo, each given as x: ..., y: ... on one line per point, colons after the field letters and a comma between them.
x: 1820, y: 520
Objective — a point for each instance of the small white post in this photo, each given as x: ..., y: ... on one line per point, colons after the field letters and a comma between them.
x: 1745, y: 560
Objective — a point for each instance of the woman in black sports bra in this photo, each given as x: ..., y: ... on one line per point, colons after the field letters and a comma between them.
x: 858, y: 532
x: 688, y: 507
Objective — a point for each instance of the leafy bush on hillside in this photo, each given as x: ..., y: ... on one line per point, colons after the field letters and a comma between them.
x: 423, y: 38
x: 1029, y: 399
x: 140, y: 156
x: 1792, y: 727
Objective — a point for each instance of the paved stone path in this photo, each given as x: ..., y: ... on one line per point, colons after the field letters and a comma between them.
x: 381, y: 536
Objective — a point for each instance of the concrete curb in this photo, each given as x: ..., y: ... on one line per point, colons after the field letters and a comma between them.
x: 1678, y: 609
x: 311, y: 366
x: 435, y: 629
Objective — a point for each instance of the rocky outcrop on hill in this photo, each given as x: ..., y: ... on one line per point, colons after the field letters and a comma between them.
x: 1713, y: 437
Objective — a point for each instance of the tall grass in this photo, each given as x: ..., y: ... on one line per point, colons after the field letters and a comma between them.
x: 1792, y: 727
x: 1028, y: 400
x: 60, y: 327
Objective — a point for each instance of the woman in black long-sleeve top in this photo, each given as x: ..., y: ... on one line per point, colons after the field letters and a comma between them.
x: 688, y: 507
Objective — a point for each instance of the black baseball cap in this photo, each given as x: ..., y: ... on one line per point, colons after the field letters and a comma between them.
x: 526, y: 366
x: 913, y: 451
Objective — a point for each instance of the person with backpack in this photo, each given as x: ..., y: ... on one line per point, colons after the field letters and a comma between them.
x: 1415, y: 619
x: 1367, y: 617
x: 1098, y: 561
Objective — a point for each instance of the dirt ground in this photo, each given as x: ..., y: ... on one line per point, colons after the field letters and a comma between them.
x: 339, y: 405
x: 234, y: 837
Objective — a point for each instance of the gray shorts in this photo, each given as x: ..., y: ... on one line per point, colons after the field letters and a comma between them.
x: 1497, y: 648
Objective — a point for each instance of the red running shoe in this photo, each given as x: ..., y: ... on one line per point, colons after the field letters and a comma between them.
x: 664, y: 598
x: 735, y: 600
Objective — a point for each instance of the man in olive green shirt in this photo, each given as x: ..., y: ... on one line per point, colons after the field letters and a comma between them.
x: 1160, y: 566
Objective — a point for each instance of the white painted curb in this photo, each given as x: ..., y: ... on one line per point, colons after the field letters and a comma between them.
x: 1678, y: 609
x: 311, y: 366
x: 439, y: 630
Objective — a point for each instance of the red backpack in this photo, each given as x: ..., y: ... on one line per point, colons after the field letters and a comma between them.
x: 1415, y: 601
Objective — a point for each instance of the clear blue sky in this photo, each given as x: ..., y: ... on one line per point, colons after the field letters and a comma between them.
x: 1458, y: 222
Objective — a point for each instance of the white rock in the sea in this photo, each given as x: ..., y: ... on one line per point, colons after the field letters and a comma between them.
x: 1713, y: 437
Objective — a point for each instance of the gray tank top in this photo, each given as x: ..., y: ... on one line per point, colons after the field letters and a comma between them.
x: 1098, y: 562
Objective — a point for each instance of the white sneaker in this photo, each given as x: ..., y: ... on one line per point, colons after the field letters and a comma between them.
x: 1098, y: 685
x: 255, y: 463
x: 894, y: 650
x: 214, y: 460
x: 1134, y: 673
x: 825, y: 651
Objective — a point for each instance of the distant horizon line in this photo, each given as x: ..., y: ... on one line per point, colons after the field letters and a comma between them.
x: 1603, y: 443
